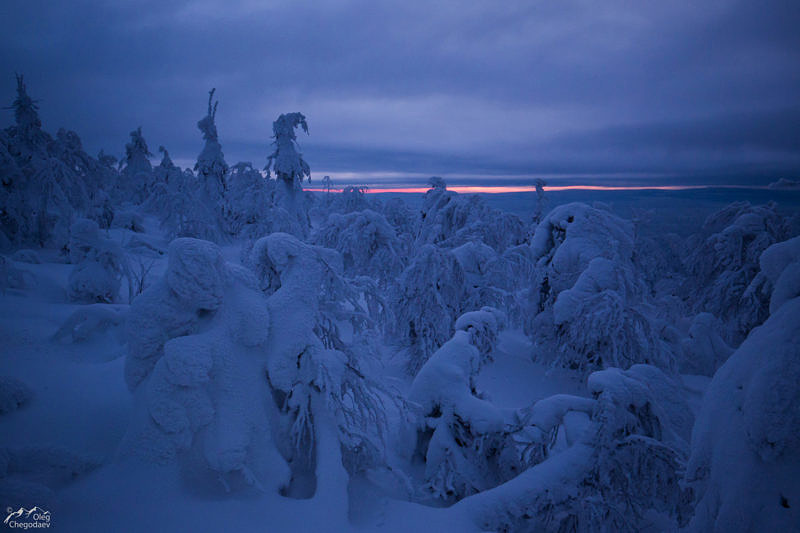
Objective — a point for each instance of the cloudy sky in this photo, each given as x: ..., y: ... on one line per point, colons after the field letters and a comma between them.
x: 653, y: 89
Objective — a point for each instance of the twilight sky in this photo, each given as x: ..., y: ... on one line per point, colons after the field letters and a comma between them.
x: 508, y: 89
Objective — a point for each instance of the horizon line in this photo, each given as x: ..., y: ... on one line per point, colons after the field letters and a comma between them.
x: 500, y: 189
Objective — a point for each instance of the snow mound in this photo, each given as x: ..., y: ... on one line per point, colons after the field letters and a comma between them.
x: 750, y: 415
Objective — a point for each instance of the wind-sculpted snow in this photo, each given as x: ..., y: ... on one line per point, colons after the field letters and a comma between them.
x: 199, y: 375
x: 745, y: 458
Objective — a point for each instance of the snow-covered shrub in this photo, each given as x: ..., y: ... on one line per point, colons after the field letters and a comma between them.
x: 13, y: 394
x: 100, y: 264
x: 600, y: 322
x: 367, y: 243
x: 483, y: 327
x: 402, y: 219
x: 745, y: 459
x: 590, y: 306
x: 428, y: 297
x: 612, y: 463
x: 724, y: 262
x: 250, y: 208
x: 461, y: 438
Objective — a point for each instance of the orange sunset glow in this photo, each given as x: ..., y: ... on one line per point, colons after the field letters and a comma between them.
x: 525, y: 188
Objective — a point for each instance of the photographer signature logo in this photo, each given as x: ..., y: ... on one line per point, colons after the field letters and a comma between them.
x: 27, y: 518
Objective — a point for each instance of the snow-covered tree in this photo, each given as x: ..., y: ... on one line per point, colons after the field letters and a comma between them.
x: 326, y: 403
x: 590, y: 308
x: 608, y: 463
x: 462, y: 439
x: 427, y: 299
x: 136, y: 174
x: 367, y: 243
x: 197, y: 341
x: 449, y: 219
x: 351, y: 198
x: 541, y: 201
x: 211, y: 166
x: 28, y: 135
x: 723, y: 263
x: 288, y: 164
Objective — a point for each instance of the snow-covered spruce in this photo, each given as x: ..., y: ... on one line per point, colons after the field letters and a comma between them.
x: 590, y: 308
x: 724, y: 265
x: 428, y: 297
x: 197, y: 361
x: 289, y: 166
x: 320, y: 391
x: 46, y: 182
x: 367, y: 243
x: 203, y: 215
x: 612, y: 463
x: 449, y: 219
x: 462, y: 437
x: 136, y: 176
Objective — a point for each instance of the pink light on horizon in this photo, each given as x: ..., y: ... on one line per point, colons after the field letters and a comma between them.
x: 497, y: 189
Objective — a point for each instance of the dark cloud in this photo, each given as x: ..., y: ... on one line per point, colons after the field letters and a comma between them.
x: 477, y: 87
